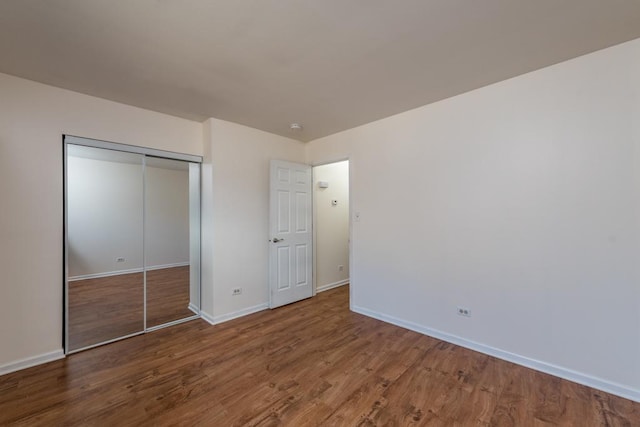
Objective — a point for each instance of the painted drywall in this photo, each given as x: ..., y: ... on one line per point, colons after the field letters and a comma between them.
x: 519, y: 201
x: 33, y: 118
x: 236, y: 215
x: 331, y: 231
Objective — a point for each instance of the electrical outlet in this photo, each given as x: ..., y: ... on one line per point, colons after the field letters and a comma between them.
x: 120, y: 259
x: 340, y: 267
x: 236, y: 291
x: 463, y: 311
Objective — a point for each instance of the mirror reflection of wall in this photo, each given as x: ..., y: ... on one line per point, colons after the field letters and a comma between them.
x: 133, y: 231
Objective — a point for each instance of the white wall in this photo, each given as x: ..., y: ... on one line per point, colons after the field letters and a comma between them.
x: 331, y: 231
x: 236, y: 219
x: 520, y: 201
x: 33, y: 118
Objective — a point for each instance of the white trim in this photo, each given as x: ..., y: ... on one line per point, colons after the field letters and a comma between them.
x: 31, y: 361
x: 548, y: 368
x: 314, y: 234
x: 194, y: 308
x: 207, y: 317
x: 332, y: 285
x: 214, y: 320
x: 144, y: 242
x: 96, y: 143
x: 129, y: 271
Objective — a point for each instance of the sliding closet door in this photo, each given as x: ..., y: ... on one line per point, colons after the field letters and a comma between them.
x: 105, y: 257
x: 132, y: 219
x: 172, y: 242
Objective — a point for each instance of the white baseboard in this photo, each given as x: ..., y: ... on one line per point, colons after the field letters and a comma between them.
x: 31, y: 361
x: 332, y: 285
x: 129, y: 271
x: 548, y: 368
x: 194, y: 308
x: 207, y: 317
x: 214, y: 320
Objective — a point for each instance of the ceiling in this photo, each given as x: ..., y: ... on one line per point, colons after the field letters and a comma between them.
x: 327, y: 64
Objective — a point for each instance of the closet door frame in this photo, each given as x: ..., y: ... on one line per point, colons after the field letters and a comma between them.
x: 144, y: 151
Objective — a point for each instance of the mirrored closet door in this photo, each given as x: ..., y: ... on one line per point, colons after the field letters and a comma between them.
x: 132, y: 246
x: 171, y: 250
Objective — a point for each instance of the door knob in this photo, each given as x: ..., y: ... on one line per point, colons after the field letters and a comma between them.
x: 276, y: 240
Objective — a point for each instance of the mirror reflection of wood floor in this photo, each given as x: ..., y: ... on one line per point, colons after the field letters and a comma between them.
x: 309, y: 363
x: 105, y: 308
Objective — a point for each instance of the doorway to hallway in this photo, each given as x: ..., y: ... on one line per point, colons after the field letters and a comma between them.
x: 331, y: 225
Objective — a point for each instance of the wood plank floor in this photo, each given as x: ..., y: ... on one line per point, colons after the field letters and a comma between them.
x: 309, y: 363
x: 105, y: 308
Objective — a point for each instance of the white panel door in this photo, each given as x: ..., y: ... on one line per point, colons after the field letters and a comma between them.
x: 290, y: 242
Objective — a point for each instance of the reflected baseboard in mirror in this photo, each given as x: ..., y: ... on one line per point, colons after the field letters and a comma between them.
x: 106, y: 308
